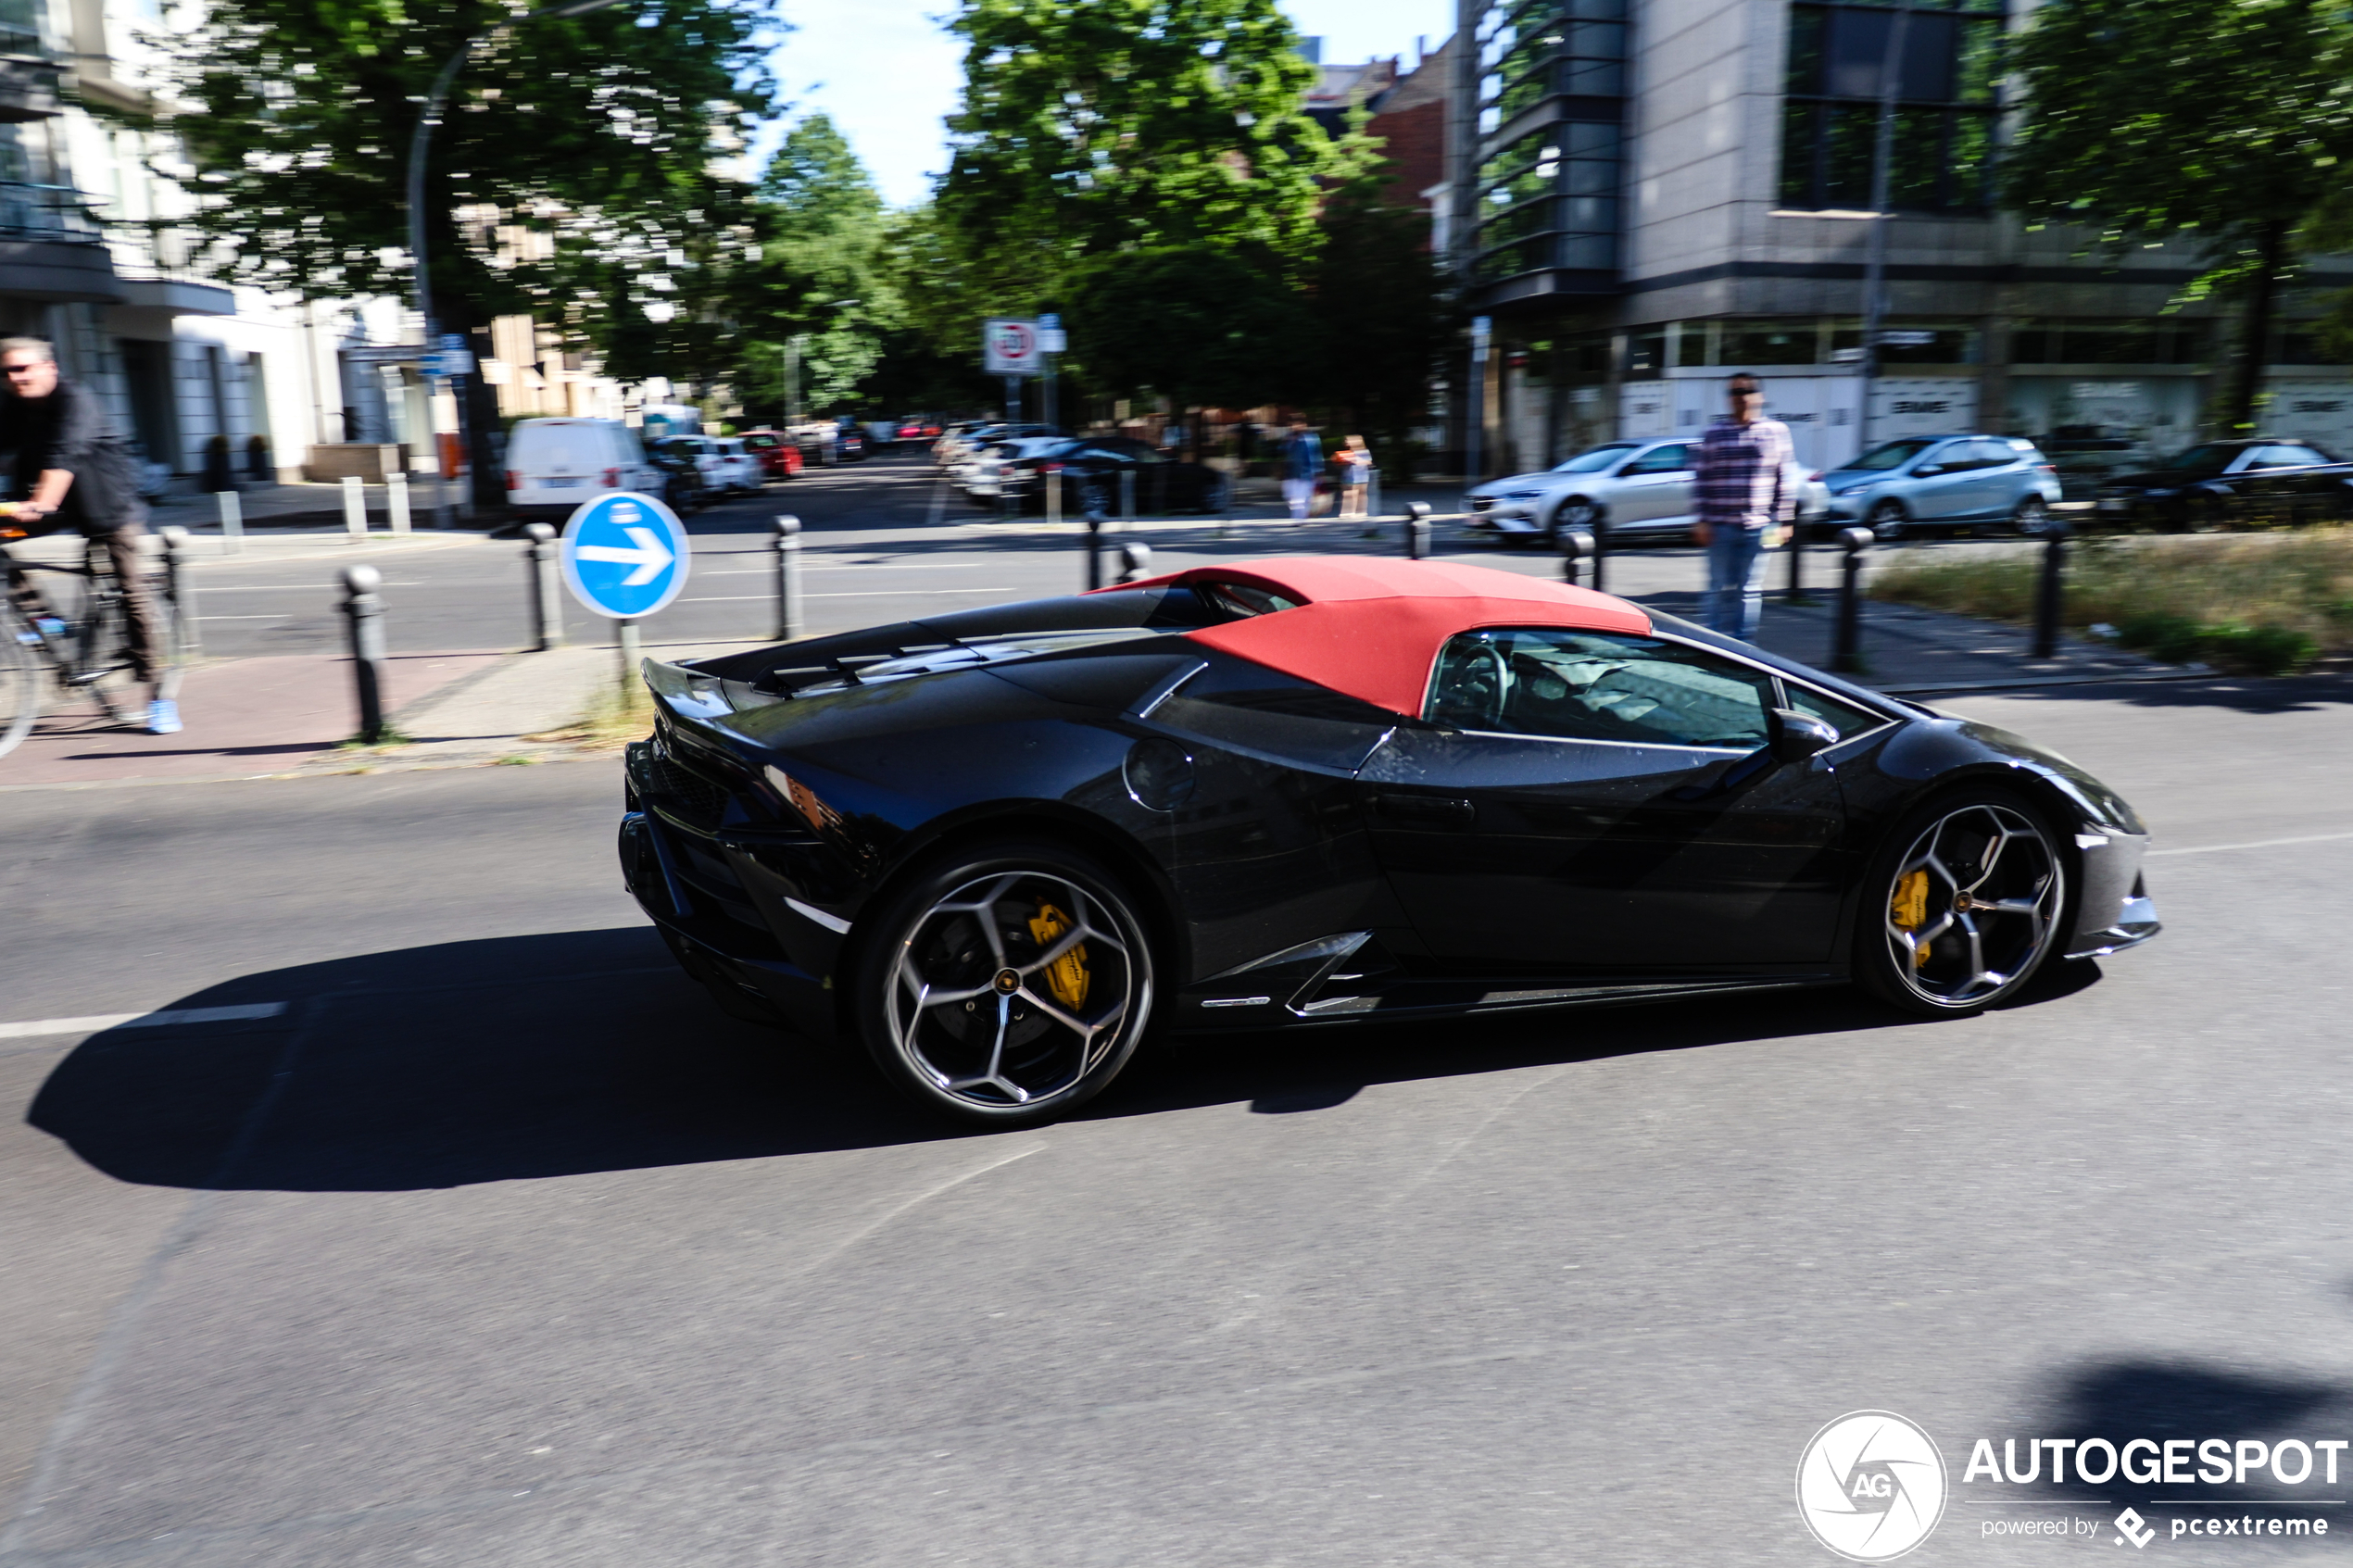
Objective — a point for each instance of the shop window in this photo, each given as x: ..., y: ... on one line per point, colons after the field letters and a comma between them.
x: 1646, y: 352
x: 1767, y: 343
x: 1946, y: 80
x: 2062, y: 342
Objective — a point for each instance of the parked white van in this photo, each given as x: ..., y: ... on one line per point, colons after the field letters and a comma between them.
x: 553, y: 465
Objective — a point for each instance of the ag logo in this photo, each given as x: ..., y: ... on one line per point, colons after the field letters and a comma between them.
x: 1870, y: 1485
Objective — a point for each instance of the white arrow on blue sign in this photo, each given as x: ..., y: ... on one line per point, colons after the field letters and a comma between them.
x: 624, y: 555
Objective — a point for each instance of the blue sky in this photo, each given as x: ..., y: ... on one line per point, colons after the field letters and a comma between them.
x: 886, y: 71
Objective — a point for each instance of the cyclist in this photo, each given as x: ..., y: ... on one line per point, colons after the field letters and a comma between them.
x: 73, y: 472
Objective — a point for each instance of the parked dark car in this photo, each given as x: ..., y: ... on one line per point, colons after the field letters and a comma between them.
x: 682, y: 482
x: 999, y: 845
x: 2214, y: 484
x: 1088, y: 467
x: 849, y: 446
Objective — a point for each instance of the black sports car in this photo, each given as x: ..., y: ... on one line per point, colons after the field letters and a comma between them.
x: 999, y: 846
x: 2217, y: 483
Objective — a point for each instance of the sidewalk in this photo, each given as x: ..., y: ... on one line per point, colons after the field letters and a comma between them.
x: 296, y: 504
x: 293, y: 715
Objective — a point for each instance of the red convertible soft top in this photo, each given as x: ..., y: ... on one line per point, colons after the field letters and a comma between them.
x: 1371, y: 626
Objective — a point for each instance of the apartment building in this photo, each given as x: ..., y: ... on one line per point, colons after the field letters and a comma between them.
x: 1655, y: 192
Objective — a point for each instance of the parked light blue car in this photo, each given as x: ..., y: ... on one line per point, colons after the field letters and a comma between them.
x: 1978, y: 483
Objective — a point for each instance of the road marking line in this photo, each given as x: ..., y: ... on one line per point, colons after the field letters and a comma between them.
x: 877, y: 594
x: 95, y: 1022
x: 2256, y: 843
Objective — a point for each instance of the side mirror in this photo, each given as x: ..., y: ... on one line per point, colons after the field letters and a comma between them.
x: 1928, y: 470
x: 1791, y: 736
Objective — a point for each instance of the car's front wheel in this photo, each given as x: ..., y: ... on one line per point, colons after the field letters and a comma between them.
x: 1006, y: 985
x: 1962, y: 906
x: 1577, y: 513
x: 1887, y: 521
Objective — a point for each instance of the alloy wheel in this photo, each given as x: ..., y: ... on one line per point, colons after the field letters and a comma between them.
x: 1012, y: 990
x: 1973, y: 906
x: 2032, y: 517
x: 1887, y: 520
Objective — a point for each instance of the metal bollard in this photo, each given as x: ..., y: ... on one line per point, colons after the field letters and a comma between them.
x: 1135, y: 563
x: 232, y: 522
x: 547, y: 594
x: 1417, y: 531
x: 354, y: 509
x: 1050, y: 475
x: 2049, y: 595
x: 1846, y: 653
x: 365, y: 609
x: 1577, y: 549
x: 788, y: 547
x: 1094, y: 548
x: 1795, y: 593
x: 396, y: 501
x: 178, y: 591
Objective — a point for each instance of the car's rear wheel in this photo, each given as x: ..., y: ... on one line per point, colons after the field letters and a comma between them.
x: 1006, y: 985
x: 2033, y: 517
x: 1888, y: 522
x: 1963, y: 905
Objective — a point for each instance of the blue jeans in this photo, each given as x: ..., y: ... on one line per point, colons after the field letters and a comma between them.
x: 1735, y: 582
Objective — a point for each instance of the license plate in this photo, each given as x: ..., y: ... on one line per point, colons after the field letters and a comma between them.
x: 562, y: 483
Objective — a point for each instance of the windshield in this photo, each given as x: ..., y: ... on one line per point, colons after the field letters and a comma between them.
x: 2212, y: 458
x: 1599, y: 458
x: 1894, y: 455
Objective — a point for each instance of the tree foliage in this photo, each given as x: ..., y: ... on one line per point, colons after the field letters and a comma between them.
x: 820, y: 276
x: 2221, y: 124
x: 574, y: 175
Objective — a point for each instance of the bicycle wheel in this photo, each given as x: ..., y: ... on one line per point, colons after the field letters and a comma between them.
x: 20, y: 684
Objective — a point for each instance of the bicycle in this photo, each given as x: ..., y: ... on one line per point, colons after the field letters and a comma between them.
x: 78, y: 641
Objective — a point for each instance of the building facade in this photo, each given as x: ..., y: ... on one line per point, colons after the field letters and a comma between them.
x: 1651, y: 193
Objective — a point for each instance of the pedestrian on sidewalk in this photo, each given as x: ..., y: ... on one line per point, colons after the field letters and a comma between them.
x: 1355, y: 460
x: 1745, y: 504
x: 1302, y: 460
x: 74, y: 471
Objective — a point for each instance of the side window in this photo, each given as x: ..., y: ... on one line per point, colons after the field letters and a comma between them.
x: 1993, y: 455
x: 1665, y: 460
x: 1590, y: 686
x: 1844, y: 717
x: 1951, y: 457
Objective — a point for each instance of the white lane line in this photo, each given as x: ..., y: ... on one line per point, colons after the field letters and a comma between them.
x: 286, y: 617
x: 102, y: 1020
x: 2256, y: 844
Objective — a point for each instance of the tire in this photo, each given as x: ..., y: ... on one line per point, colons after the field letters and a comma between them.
x: 2207, y: 514
x: 1577, y: 512
x: 2033, y: 518
x: 1014, y: 1039
x: 1987, y: 908
x: 1888, y: 521
x: 20, y: 675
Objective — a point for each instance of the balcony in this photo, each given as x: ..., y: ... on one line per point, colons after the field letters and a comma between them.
x: 50, y: 248
x: 28, y: 81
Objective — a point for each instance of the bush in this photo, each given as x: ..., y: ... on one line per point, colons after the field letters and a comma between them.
x: 2263, y: 603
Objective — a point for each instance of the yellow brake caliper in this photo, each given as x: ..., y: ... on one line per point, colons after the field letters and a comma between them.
x: 1908, y: 910
x: 1066, y: 976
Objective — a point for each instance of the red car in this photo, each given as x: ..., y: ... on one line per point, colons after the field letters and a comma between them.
x: 779, y: 457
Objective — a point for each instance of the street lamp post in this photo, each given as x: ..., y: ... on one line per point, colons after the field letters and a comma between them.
x: 419, y: 145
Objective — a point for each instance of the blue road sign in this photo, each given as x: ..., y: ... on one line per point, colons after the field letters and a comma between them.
x: 624, y: 555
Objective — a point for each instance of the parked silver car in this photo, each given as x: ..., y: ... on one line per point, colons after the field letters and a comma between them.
x: 1990, y: 482
x: 1629, y: 490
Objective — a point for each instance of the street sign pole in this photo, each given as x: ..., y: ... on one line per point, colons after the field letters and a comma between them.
x: 1050, y: 344
x: 1013, y: 399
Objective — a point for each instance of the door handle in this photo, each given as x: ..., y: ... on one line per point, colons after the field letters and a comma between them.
x: 1426, y: 811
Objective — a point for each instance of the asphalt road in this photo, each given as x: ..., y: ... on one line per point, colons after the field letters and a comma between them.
x: 501, y: 1247
x: 881, y: 538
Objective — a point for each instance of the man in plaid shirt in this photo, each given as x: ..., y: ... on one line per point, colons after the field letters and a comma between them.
x: 1745, y: 504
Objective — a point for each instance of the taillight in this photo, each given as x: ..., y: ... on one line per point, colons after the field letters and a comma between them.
x: 2046, y: 468
x: 612, y: 479
x: 514, y: 480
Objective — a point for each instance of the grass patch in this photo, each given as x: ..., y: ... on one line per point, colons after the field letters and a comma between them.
x: 2260, y: 605
x: 613, y: 720
x: 385, y: 742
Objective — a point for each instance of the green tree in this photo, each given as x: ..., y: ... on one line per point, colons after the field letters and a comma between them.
x: 1381, y: 319
x: 1196, y: 324
x: 2221, y: 125
x: 821, y: 276
x: 574, y: 177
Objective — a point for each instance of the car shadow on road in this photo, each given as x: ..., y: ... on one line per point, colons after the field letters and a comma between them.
x: 569, y: 1052
x: 1293, y: 1073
